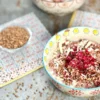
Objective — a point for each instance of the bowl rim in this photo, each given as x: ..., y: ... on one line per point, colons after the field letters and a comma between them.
x: 62, y: 84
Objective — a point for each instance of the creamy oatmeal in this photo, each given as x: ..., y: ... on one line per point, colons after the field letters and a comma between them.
x: 77, y: 63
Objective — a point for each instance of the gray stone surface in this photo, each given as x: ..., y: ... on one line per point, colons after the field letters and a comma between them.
x: 29, y: 87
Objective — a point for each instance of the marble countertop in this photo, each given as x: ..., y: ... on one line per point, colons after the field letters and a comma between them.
x: 36, y: 86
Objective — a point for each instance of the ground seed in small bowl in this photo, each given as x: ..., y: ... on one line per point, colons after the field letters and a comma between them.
x: 13, y: 37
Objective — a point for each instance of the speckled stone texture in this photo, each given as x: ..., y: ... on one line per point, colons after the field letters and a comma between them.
x: 37, y: 86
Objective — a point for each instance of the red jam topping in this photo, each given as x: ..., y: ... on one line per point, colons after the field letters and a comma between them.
x: 81, y: 59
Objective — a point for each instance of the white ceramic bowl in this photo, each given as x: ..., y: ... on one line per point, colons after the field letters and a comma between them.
x: 17, y: 49
x: 74, y: 34
x: 61, y: 8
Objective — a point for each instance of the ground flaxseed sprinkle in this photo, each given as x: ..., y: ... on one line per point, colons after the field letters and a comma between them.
x: 13, y: 37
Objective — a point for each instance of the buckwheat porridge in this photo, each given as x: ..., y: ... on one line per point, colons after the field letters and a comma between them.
x: 77, y: 63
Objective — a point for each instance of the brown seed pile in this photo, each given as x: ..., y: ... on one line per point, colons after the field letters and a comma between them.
x: 13, y: 37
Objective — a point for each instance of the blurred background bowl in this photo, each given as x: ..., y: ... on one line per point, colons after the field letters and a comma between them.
x: 59, y: 8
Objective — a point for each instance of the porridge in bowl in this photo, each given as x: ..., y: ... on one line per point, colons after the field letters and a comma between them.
x: 77, y: 63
